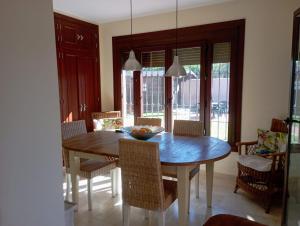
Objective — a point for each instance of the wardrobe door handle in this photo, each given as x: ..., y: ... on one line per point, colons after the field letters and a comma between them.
x: 84, y: 107
x: 81, y: 107
x: 81, y: 37
x: 77, y: 36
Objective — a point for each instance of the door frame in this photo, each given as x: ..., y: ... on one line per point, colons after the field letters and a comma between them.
x: 294, y: 56
x: 233, y: 31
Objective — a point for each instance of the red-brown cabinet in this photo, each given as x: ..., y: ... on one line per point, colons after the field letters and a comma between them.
x: 78, y: 68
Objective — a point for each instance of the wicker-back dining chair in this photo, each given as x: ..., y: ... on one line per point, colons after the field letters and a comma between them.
x: 88, y: 168
x: 263, y: 184
x: 191, y: 129
x: 188, y: 128
x: 142, y: 121
x: 142, y: 183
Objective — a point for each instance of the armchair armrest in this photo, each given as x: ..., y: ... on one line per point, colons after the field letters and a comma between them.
x: 245, y: 145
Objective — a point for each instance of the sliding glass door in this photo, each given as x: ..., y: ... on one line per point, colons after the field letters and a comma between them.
x: 292, y: 178
x: 220, y: 86
x: 153, y: 84
x: 186, y: 90
x: 128, y: 98
x: 188, y: 96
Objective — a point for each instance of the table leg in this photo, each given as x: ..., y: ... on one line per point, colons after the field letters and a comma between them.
x: 74, y: 168
x: 209, y: 182
x: 183, y: 193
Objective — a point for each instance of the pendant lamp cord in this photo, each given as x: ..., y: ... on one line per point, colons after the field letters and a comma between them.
x: 130, y: 24
x: 176, y: 25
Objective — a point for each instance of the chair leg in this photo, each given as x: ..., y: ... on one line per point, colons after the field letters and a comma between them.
x: 68, y: 181
x: 147, y: 213
x: 189, y: 198
x: 268, y: 204
x: 89, y: 188
x: 236, y: 188
x: 114, y: 183
x: 161, y: 218
x: 126, y: 214
x: 197, y: 186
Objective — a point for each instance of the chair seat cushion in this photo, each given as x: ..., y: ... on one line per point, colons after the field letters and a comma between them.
x: 170, y: 191
x: 255, y: 162
x: 92, y: 168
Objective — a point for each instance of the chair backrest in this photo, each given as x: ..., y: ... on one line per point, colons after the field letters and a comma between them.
x: 188, y: 128
x: 71, y: 129
x: 279, y: 126
x: 106, y: 114
x: 141, y: 121
x: 141, y: 174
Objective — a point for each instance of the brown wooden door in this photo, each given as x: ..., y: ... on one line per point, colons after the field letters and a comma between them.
x: 78, y: 68
x: 69, y: 86
x: 87, y: 73
x: 87, y: 38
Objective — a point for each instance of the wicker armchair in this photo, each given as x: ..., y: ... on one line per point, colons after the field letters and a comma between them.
x: 187, y: 128
x: 109, y: 120
x: 142, y: 182
x: 106, y: 114
x: 141, y: 121
x: 262, y: 183
x: 88, y: 168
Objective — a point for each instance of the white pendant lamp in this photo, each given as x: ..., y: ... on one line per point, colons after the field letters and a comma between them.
x: 176, y: 69
x: 131, y: 63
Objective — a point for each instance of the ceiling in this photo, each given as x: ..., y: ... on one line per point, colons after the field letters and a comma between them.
x: 102, y: 11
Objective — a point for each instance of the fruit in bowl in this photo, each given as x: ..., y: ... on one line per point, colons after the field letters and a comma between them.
x: 142, y: 132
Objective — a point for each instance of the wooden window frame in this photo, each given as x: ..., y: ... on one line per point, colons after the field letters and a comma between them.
x: 201, y: 35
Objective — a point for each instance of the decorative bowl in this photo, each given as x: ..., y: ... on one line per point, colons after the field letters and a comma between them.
x: 142, y: 132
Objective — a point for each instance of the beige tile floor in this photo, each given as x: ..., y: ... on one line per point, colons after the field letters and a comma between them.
x: 107, y: 211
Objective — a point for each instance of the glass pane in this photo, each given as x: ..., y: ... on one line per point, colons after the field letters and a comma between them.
x: 293, y: 204
x: 220, y: 81
x: 186, y: 90
x: 153, y: 84
x: 295, y: 138
x: 127, y: 98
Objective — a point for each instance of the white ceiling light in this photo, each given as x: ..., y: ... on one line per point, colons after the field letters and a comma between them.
x: 176, y: 68
x: 131, y: 63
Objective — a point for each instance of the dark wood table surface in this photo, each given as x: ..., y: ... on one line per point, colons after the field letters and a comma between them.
x: 174, y: 150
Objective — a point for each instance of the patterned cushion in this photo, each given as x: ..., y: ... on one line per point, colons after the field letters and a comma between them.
x: 108, y: 123
x: 269, y: 141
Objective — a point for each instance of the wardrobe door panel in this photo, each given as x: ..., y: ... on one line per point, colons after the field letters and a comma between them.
x: 70, y: 35
x: 70, y: 71
x: 87, y: 38
x: 87, y: 94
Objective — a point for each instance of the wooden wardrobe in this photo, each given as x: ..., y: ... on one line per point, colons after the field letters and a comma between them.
x: 77, y: 44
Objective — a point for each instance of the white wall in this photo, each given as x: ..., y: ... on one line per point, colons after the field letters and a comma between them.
x: 267, y: 63
x: 30, y: 154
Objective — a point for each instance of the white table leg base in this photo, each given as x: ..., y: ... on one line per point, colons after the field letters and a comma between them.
x: 197, y: 186
x: 209, y: 182
x: 74, y: 168
x: 183, y: 193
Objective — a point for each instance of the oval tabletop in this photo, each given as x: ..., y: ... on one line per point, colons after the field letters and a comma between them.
x: 174, y: 150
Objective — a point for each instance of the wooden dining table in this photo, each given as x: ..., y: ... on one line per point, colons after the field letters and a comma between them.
x: 180, y: 152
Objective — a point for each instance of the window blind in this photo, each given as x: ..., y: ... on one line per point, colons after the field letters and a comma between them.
x: 189, y: 56
x: 153, y: 59
x: 221, y: 52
